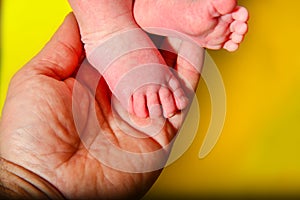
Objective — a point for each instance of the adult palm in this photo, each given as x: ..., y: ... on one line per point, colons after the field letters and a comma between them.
x: 56, y: 124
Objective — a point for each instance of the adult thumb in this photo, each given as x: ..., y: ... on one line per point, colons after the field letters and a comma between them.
x: 62, y: 54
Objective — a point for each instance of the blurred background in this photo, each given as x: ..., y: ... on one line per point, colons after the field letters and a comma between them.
x: 257, y: 154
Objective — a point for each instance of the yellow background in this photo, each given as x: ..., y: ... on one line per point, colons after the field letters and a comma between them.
x: 259, y: 150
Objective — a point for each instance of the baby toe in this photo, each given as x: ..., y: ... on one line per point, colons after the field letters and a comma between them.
x: 239, y: 27
x: 231, y: 46
x: 167, y: 101
x: 236, y: 38
x: 153, y: 105
x: 240, y: 14
x: 224, y: 6
x: 139, y: 105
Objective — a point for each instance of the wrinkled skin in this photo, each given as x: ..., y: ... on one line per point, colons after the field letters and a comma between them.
x: 38, y: 130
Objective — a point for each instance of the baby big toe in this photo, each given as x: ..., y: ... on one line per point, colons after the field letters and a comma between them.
x: 240, y: 14
x: 167, y: 101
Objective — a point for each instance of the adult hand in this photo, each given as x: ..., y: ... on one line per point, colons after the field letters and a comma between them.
x: 47, y: 125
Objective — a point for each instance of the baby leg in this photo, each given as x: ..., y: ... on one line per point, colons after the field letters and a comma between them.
x: 126, y: 57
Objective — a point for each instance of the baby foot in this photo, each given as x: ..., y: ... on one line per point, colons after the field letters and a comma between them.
x: 214, y: 24
x: 130, y: 63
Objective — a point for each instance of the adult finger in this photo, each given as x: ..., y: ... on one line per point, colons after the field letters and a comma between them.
x: 62, y: 54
